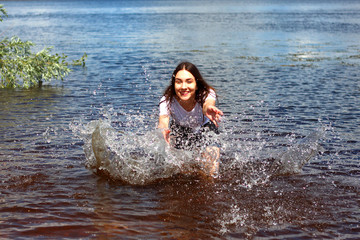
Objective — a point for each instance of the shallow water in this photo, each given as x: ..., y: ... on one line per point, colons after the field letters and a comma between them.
x: 287, y: 75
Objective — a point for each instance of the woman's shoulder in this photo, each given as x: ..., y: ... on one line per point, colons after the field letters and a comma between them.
x: 164, y: 106
x: 211, y: 94
x: 163, y: 99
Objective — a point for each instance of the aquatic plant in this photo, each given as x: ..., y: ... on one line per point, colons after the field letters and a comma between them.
x: 20, y: 67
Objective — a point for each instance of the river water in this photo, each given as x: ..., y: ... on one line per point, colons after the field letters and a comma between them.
x: 287, y: 75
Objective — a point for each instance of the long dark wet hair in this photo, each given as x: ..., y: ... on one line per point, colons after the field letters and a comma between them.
x: 203, y: 88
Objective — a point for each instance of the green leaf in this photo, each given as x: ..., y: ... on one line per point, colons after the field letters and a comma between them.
x: 20, y: 67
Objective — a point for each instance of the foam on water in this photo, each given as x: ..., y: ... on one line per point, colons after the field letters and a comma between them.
x: 135, y: 152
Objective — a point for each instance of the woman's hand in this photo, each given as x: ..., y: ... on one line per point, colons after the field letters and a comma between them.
x: 214, y: 114
x: 166, y: 134
x: 164, y: 126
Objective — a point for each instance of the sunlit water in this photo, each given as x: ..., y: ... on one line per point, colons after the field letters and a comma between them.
x: 82, y: 158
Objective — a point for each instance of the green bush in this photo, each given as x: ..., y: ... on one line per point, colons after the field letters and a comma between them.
x: 19, y: 67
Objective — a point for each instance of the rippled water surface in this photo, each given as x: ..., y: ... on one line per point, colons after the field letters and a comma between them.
x: 287, y: 75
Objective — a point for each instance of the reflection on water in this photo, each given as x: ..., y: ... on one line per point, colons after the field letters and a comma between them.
x: 287, y: 77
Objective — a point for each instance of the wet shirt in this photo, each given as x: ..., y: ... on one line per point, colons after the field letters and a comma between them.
x: 192, y: 119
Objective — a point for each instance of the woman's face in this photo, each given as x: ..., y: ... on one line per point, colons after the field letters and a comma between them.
x: 185, y: 86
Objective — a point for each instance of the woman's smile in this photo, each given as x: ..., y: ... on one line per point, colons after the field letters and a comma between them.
x: 184, y: 93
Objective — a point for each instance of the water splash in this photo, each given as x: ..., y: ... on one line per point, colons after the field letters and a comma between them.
x: 136, y: 155
x: 134, y: 152
x: 292, y: 159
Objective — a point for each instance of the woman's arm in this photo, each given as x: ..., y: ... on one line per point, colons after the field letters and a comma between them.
x: 212, y: 112
x: 164, y: 126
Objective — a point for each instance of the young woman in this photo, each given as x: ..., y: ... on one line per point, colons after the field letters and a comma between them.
x: 190, y: 104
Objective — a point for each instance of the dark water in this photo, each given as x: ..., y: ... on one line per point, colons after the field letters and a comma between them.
x: 287, y: 73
